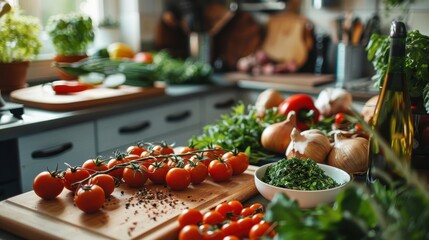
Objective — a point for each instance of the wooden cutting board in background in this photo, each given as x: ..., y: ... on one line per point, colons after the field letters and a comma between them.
x: 296, y: 79
x: 127, y: 214
x: 43, y: 97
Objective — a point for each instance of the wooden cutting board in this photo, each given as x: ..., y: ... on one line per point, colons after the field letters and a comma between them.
x: 41, y: 96
x: 300, y: 79
x: 127, y: 214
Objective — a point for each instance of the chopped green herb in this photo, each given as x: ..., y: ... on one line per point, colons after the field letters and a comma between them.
x: 298, y: 174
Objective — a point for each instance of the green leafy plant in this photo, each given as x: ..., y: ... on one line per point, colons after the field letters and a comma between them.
x: 19, y: 37
x: 416, y: 62
x: 70, y: 33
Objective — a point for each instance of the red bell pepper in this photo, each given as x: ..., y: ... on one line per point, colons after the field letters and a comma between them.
x: 66, y: 87
x: 303, y: 105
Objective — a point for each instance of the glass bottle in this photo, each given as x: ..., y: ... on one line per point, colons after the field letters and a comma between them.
x: 392, y: 116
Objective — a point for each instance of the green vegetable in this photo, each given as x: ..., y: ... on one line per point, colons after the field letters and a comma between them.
x: 19, y: 37
x: 70, y: 33
x: 416, y: 62
x: 298, y: 174
x: 240, y: 129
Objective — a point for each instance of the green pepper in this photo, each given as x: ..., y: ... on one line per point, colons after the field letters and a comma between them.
x: 303, y: 105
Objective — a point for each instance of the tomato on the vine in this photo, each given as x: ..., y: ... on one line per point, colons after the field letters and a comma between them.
x: 163, y: 148
x: 119, y: 158
x: 187, y: 149
x: 89, y: 198
x: 236, y: 205
x: 198, y: 172
x: 220, y: 170
x: 94, y: 165
x: 106, y: 182
x: 260, y: 230
x: 135, y: 175
x: 158, y: 172
x: 225, y: 209
x: 178, y: 179
x: 231, y: 228
x: 245, y: 225
x: 190, y: 232
x: 340, y: 118
x: 213, y: 217
x: 239, y: 161
x: 190, y: 216
x: 214, y: 152
x: 48, y: 185
x: 135, y: 149
x: 73, y: 175
x: 247, y: 211
x: 211, y: 233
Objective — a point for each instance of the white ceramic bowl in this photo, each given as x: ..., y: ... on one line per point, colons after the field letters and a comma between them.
x: 305, y: 199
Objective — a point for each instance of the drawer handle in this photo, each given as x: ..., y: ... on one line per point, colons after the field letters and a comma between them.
x: 134, y: 128
x: 178, y: 117
x: 226, y: 104
x: 53, y: 151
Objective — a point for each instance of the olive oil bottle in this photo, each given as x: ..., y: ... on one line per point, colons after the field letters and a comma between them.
x: 392, y: 116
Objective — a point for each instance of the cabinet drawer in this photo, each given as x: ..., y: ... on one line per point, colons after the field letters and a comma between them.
x: 146, y: 124
x: 72, y: 145
x: 217, y: 104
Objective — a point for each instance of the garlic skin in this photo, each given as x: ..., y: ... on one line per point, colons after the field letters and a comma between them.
x: 312, y: 144
x: 276, y: 137
x: 349, y: 154
x: 333, y: 100
x: 267, y: 99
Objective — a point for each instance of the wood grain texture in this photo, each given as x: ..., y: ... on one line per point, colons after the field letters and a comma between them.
x: 43, y: 97
x: 127, y: 214
x: 297, y: 79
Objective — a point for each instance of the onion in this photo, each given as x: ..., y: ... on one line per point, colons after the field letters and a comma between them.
x: 276, y: 137
x: 267, y: 99
x: 349, y: 154
x: 312, y: 144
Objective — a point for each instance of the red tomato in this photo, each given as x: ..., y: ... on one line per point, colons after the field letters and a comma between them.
x: 245, y: 225
x: 214, y: 152
x: 211, y: 233
x: 74, y: 175
x: 135, y: 150
x: 220, y: 171
x: 178, y: 179
x: 247, y: 211
x: 261, y: 229
x: 236, y: 206
x: 231, y: 237
x: 198, y: 172
x: 89, y: 198
x: 239, y: 161
x: 190, y: 216
x: 190, y: 232
x: 340, y: 118
x: 225, y: 209
x: 257, y: 218
x: 118, y: 159
x: 163, y: 148
x: 106, y: 182
x: 187, y: 150
x: 135, y: 175
x: 231, y: 228
x: 143, y: 57
x: 48, y: 185
x: 213, y: 217
x: 66, y: 87
x: 158, y: 172
x: 94, y: 165
x: 201, y: 158
x: 257, y: 207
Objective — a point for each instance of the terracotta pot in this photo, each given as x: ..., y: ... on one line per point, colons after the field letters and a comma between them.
x: 67, y: 59
x: 13, y: 76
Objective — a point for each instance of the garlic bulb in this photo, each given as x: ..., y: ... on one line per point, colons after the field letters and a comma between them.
x: 276, y: 137
x: 349, y: 154
x: 267, y: 99
x: 312, y: 144
x: 333, y: 100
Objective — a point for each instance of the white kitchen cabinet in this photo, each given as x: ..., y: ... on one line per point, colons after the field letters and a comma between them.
x: 37, y: 152
x: 119, y: 131
x: 217, y: 104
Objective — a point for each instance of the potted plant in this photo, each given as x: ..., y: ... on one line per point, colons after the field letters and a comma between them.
x: 71, y: 35
x: 19, y: 44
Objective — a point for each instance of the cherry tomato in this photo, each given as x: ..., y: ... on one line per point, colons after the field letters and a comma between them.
x: 261, y: 229
x: 48, y: 185
x: 220, y: 171
x: 198, y: 172
x: 231, y: 237
x: 190, y: 232
x: 200, y: 157
x: 257, y: 218
x: 163, y: 149
x: 158, y: 172
x: 89, y: 198
x: 73, y: 175
x: 135, y: 150
x: 231, y: 228
x: 210, y: 232
x: 188, y: 149
x: 239, y: 161
x: 247, y: 211
x: 257, y: 207
x: 213, y: 217
x: 225, y: 209
x: 190, y: 216
x: 236, y: 206
x: 135, y: 175
x: 118, y: 159
x: 106, y: 182
x: 94, y: 165
x: 215, y: 152
x: 245, y: 225
x: 178, y: 179
x: 340, y: 118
